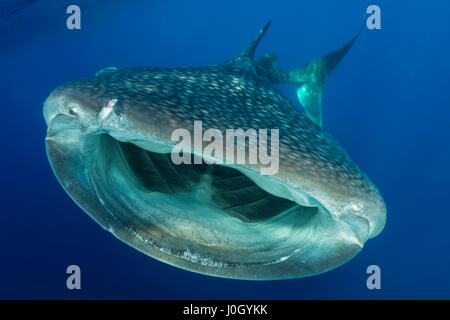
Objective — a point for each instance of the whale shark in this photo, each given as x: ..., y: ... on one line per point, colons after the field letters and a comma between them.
x: 109, y: 143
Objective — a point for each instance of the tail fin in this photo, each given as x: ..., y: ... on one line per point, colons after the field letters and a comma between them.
x: 308, y: 79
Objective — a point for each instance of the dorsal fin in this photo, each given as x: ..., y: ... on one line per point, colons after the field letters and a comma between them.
x: 250, y: 50
x: 244, y: 62
x: 309, y: 78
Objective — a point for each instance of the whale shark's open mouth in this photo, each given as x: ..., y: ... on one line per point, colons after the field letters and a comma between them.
x: 213, y: 219
x: 204, y: 206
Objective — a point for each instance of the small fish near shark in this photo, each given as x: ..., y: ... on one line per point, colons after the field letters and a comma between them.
x: 109, y: 144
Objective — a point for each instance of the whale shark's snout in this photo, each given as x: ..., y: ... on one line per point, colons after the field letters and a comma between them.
x: 110, y: 144
x: 73, y: 100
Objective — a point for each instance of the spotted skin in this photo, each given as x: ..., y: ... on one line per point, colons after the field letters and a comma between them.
x: 222, y: 97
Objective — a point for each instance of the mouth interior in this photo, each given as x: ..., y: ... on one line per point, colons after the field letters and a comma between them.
x: 227, y: 188
x: 211, y: 211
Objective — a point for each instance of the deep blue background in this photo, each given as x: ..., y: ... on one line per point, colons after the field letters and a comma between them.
x: 387, y: 103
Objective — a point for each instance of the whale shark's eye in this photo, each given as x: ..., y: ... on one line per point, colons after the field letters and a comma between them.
x: 74, y: 109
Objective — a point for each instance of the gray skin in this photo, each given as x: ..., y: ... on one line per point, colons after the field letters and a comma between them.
x: 106, y: 135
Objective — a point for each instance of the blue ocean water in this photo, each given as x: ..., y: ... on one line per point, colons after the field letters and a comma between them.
x: 387, y: 103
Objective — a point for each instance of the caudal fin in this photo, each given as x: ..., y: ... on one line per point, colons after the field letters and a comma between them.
x: 308, y: 79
